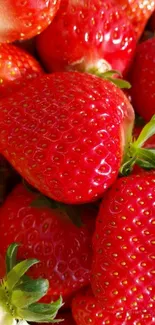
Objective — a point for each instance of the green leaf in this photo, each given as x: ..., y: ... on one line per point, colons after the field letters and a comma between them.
x: 29, y: 293
x: 120, y: 83
x: 14, y: 276
x: 11, y: 255
x: 53, y: 307
x: 42, y: 201
x: 147, y: 132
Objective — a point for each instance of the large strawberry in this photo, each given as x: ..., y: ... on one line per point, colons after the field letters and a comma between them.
x: 123, y: 262
x: 138, y: 12
x: 19, y: 294
x: 16, y: 66
x: 65, y: 134
x: 86, y: 310
x: 142, y: 76
x: 88, y: 36
x: 24, y: 19
x: 46, y: 233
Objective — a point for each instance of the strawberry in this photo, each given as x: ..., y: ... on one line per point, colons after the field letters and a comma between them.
x: 86, y: 310
x: 123, y: 245
x: 16, y: 66
x: 59, y: 135
x: 19, y: 294
x: 142, y: 77
x: 87, y: 36
x: 64, y: 250
x: 24, y: 19
x: 138, y: 11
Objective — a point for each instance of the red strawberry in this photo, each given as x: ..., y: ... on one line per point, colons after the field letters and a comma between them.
x: 123, y: 263
x: 63, y: 249
x: 138, y: 11
x: 86, y: 36
x: 66, y: 317
x: 86, y: 310
x: 142, y: 76
x: 16, y: 66
x: 65, y: 134
x: 24, y: 19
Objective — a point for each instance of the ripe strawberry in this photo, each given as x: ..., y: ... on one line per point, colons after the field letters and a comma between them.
x: 63, y: 249
x: 19, y: 294
x: 86, y: 310
x: 86, y: 36
x: 24, y: 19
x: 138, y: 11
x: 16, y: 66
x: 65, y: 134
x: 123, y: 263
x: 142, y: 76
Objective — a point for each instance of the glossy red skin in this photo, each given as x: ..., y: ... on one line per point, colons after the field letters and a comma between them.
x: 67, y: 319
x: 123, y: 245
x: 63, y: 249
x: 24, y: 19
x: 65, y: 133
x: 142, y: 76
x: 80, y: 36
x: 16, y: 66
x: 86, y: 310
x: 138, y: 11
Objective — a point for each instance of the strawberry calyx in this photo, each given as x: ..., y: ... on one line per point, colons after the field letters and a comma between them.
x: 112, y: 75
x: 19, y: 294
x: 136, y: 154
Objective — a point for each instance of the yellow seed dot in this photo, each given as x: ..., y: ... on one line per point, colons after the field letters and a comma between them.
x: 123, y: 298
x: 123, y: 217
x: 115, y: 292
x: 124, y: 282
x: 124, y: 247
x: 115, y: 273
x: 142, y: 278
x: 119, y: 237
x: 123, y: 263
x: 135, y: 239
x: 134, y: 289
x: 153, y: 242
x: 133, y: 257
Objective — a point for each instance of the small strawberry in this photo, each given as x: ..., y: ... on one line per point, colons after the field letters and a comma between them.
x: 138, y: 11
x: 123, y: 262
x: 87, y: 36
x: 86, y: 310
x: 19, y: 294
x: 65, y: 134
x: 16, y: 66
x: 63, y: 249
x: 142, y: 76
x: 24, y: 19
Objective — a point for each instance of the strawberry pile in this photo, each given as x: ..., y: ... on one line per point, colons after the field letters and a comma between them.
x: 77, y: 160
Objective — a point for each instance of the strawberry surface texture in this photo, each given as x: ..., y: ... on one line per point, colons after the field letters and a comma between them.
x: 123, y: 244
x: 65, y: 134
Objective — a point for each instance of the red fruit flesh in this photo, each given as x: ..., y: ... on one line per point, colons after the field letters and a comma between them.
x: 86, y: 310
x: 16, y: 66
x: 25, y: 18
x: 142, y: 76
x: 65, y: 134
x: 87, y: 35
x: 123, y: 262
x: 63, y: 249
